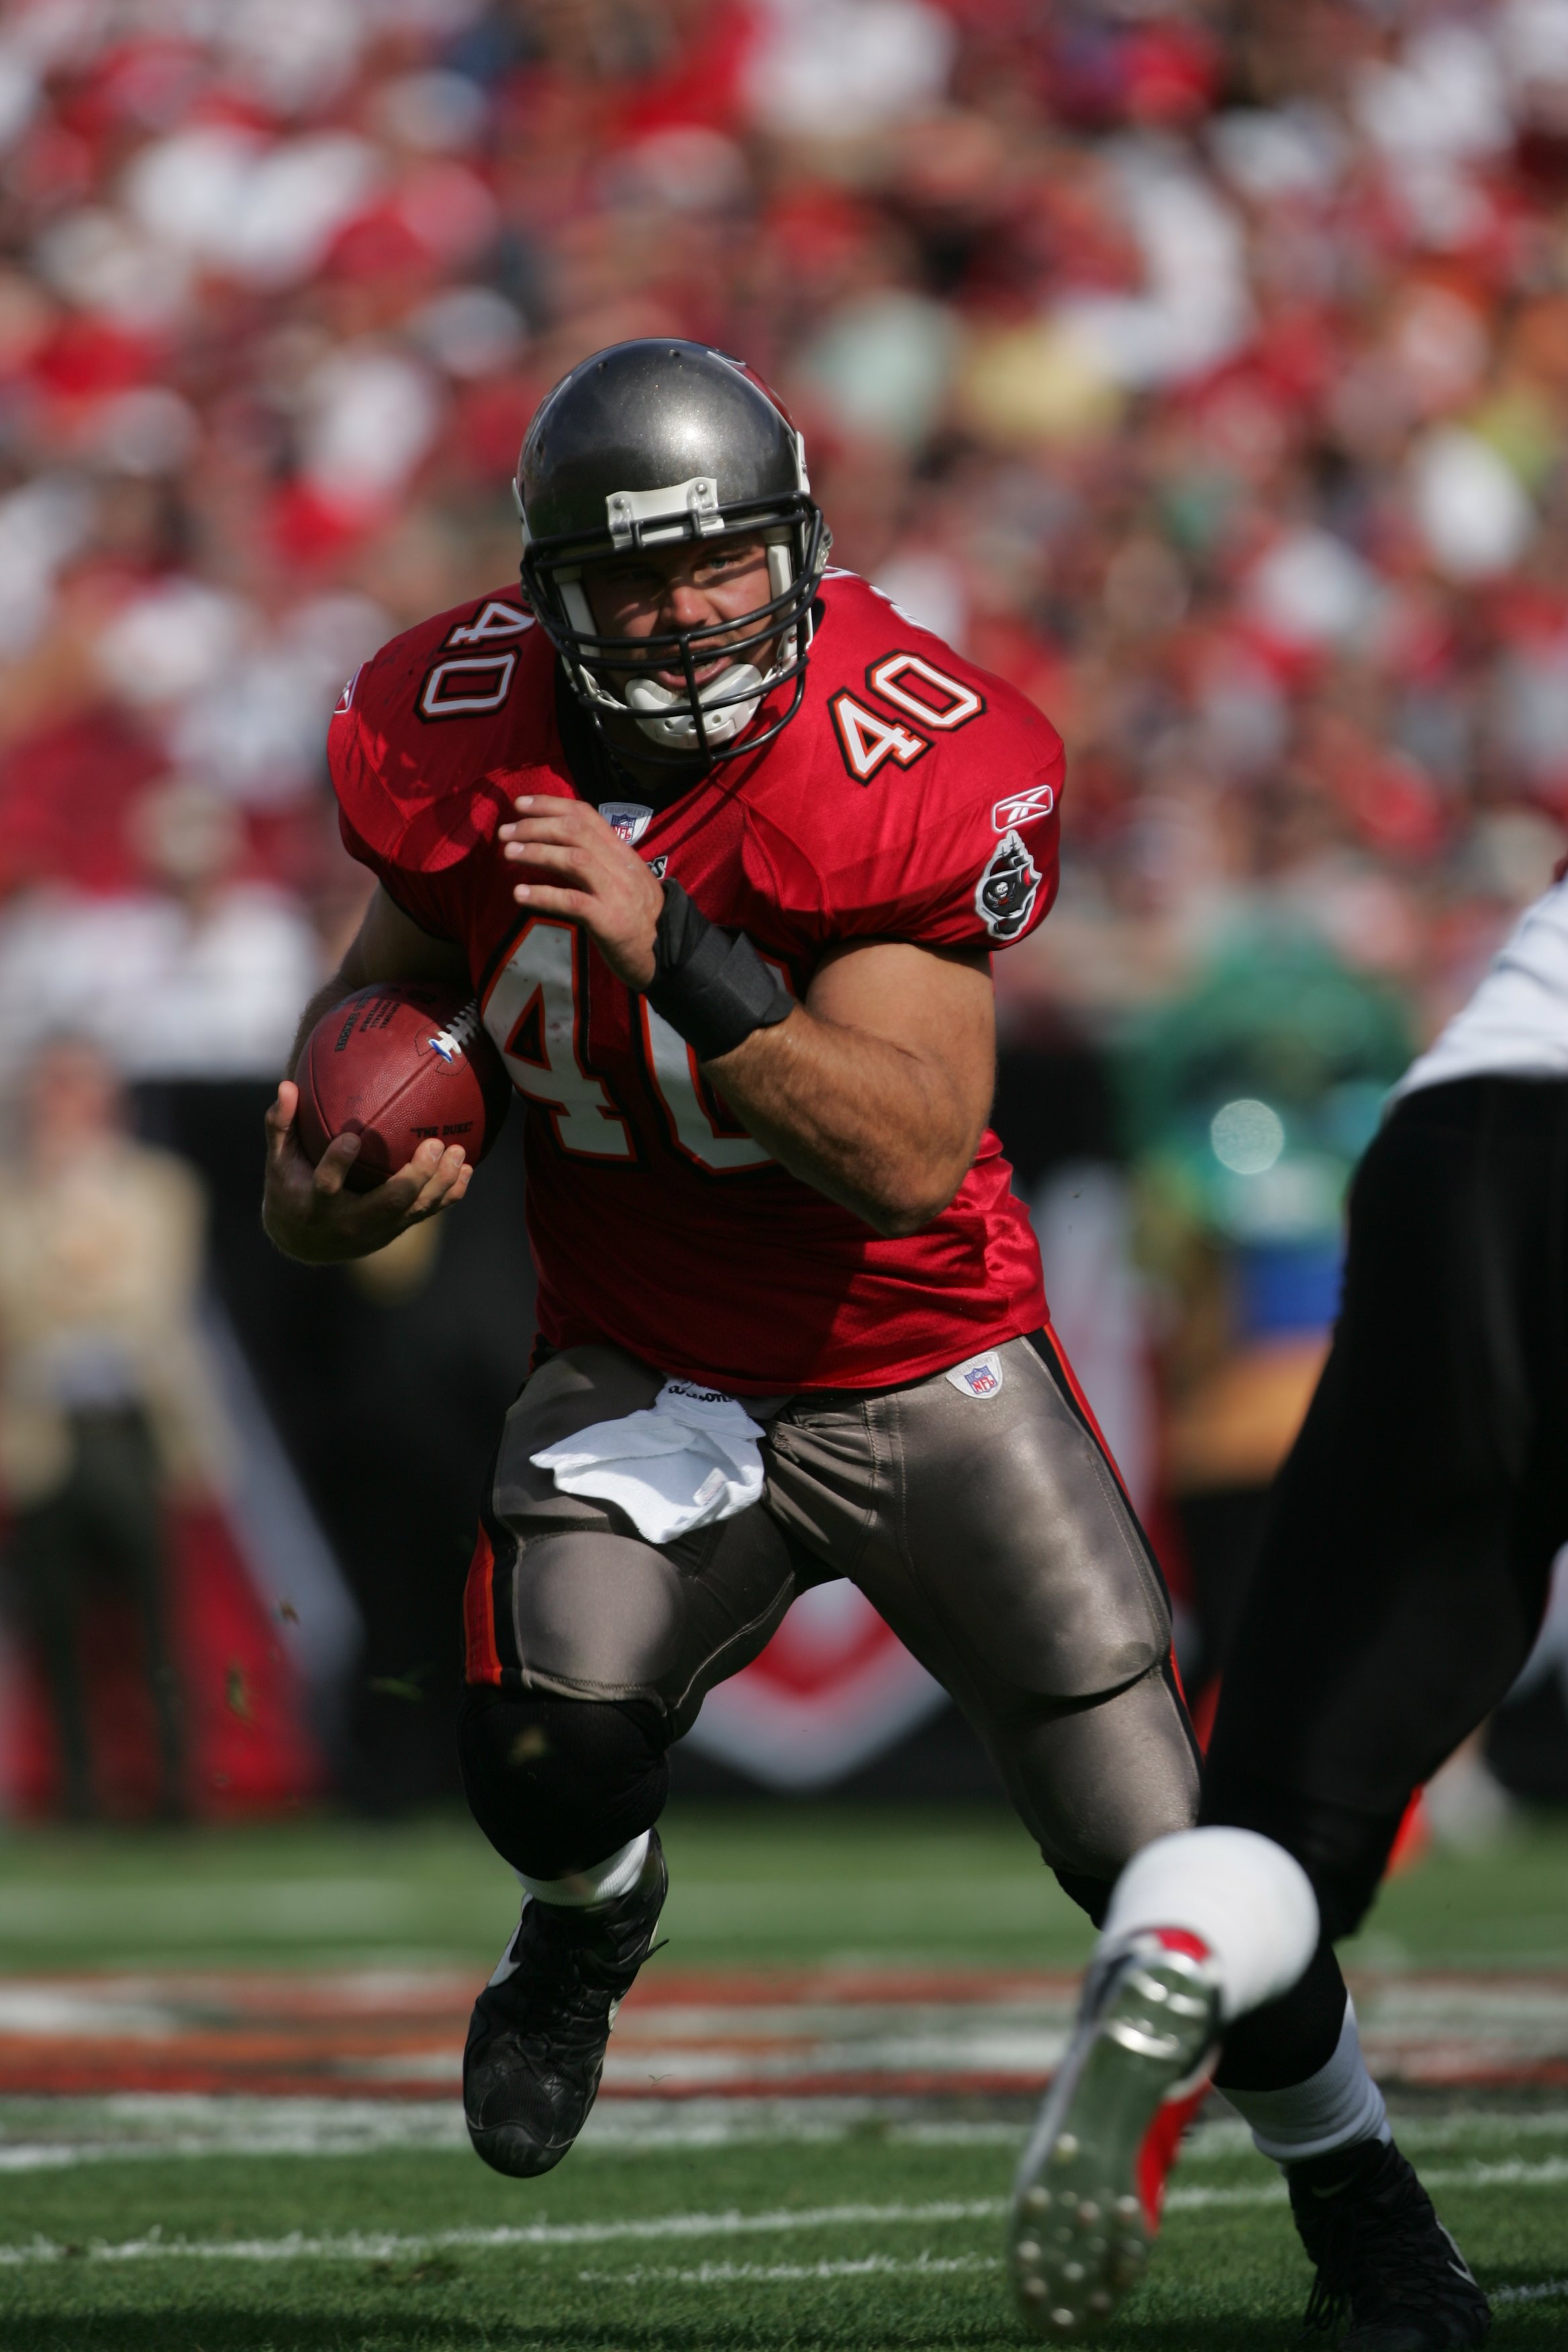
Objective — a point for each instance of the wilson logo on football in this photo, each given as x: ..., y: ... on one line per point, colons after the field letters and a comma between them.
x: 1008, y: 885
x: 1023, y: 808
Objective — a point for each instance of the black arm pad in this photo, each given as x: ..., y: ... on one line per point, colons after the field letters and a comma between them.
x: 711, y: 986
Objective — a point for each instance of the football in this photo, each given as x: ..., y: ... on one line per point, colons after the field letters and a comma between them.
x: 395, y: 1065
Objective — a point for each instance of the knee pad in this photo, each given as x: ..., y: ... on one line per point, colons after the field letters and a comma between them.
x: 556, y: 1784
x: 1343, y: 1852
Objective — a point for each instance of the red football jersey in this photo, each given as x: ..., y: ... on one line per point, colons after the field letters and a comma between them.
x: 912, y: 797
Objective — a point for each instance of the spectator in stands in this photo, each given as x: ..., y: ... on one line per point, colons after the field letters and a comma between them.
x: 106, y: 1403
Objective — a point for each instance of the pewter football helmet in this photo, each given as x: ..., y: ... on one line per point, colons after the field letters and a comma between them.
x: 650, y: 444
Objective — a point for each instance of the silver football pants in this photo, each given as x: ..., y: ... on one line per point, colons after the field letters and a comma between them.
x: 990, y: 1531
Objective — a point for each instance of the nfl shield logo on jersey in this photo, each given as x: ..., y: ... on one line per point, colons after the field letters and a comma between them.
x: 980, y: 1377
x: 630, y: 819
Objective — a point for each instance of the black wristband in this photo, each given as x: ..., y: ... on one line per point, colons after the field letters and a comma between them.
x: 711, y: 986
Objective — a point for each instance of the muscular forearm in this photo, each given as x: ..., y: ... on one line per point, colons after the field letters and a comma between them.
x: 875, y: 1091
x: 879, y: 1129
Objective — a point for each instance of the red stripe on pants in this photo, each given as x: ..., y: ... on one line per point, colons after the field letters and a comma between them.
x: 481, y: 1662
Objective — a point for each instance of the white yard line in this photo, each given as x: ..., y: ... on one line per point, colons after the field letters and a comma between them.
x: 890, y: 2266
x: 728, y: 2274
x: 384, y: 2246
x: 1550, y: 2291
x: 47, y: 2135
x: 1548, y: 2172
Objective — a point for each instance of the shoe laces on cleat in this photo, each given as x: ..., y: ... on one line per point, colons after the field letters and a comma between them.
x: 1384, y: 2259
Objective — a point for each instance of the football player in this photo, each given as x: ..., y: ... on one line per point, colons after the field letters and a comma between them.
x: 1405, y: 1568
x: 724, y: 843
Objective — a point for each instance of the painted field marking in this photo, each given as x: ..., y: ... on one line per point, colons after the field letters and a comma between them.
x: 53, y: 2134
x: 383, y: 2246
x: 826, y: 2033
x: 920, y: 2265
x: 1550, y: 2291
x: 729, y: 2274
x: 356, y: 2245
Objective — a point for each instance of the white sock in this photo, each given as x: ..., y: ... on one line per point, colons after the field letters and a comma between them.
x: 1247, y: 1901
x: 1335, y: 2108
x: 617, y: 1875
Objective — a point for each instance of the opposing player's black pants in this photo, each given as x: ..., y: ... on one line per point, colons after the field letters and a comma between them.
x: 1407, y: 1550
x: 989, y: 1530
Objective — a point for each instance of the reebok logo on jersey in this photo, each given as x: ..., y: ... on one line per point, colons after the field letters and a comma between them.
x: 656, y: 865
x: 630, y: 819
x: 1005, y: 893
x: 345, y: 700
x: 1023, y: 808
x: 980, y: 1377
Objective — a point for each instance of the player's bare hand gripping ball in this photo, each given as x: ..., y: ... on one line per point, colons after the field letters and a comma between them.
x: 311, y: 1213
x: 591, y: 876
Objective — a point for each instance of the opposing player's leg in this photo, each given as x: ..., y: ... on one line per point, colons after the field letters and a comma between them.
x: 588, y: 1652
x: 984, y: 1519
x: 1403, y: 1574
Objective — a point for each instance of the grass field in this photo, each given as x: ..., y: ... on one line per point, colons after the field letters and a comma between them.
x: 725, y: 2225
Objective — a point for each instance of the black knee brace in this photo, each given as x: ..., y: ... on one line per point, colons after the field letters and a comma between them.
x: 556, y: 1784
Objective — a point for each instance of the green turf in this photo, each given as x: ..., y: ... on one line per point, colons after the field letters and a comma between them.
x: 752, y: 1887
x: 749, y: 1886
x: 1224, y: 2277
x: 783, y: 1886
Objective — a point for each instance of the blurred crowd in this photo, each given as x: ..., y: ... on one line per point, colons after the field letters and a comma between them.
x: 1201, y: 368
x: 1199, y: 365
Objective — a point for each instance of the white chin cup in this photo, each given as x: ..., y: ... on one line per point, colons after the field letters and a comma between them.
x: 666, y: 717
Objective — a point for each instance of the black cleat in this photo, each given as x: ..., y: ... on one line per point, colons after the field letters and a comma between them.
x: 1384, y: 2262
x: 536, y: 2041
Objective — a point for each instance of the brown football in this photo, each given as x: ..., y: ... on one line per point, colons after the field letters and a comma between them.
x: 394, y: 1065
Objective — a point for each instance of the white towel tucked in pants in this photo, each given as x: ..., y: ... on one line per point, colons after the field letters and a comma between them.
x: 688, y: 1458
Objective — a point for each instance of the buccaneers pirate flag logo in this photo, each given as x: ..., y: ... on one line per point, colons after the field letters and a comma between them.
x: 1005, y: 894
